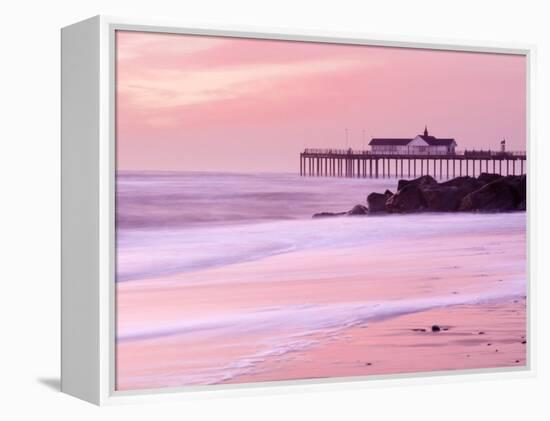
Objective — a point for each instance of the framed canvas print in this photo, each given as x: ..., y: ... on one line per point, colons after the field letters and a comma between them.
x: 244, y: 209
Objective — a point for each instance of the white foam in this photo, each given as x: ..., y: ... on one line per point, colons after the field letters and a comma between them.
x: 283, y: 330
x: 146, y: 253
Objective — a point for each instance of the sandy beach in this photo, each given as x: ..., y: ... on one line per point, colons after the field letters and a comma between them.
x: 472, y: 337
x: 350, y: 311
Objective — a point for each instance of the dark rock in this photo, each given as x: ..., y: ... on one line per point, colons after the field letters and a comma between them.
x: 328, y: 214
x: 419, y: 330
x: 487, y: 178
x: 376, y: 202
x: 486, y: 193
x: 523, y: 342
x: 443, y: 199
x: 499, y: 195
x: 435, y: 328
x: 402, y: 183
x: 421, y: 182
x: 464, y: 182
x: 481, y: 333
x: 522, y: 188
x: 448, y: 196
x: 519, y: 183
x: 358, y: 210
x: 407, y: 199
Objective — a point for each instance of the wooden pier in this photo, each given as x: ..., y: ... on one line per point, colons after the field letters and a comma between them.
x: 364, y: 164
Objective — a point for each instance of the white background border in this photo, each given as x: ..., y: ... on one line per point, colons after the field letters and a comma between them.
x: 30, y: 210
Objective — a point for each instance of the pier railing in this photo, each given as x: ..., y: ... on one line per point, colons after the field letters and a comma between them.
x: 489, y: 153
x: 477, y: 153
x: 365, y: 163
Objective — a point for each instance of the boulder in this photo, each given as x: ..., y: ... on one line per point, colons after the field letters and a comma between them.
x: 402, y: 183
x: 466, y: 184
x: 388, y: 193
x: 377, y: 202
x: 519, y: 183
x: 497, y: 196
x: 443, y: 199
x: 522, y: 187
x: 421, y: 182
x: 487, y: 178
x: 328, y: 214
x: 358, y: 210
x: 408, y: 199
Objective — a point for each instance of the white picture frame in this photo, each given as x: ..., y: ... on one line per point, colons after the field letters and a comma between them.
x: 88, y: 205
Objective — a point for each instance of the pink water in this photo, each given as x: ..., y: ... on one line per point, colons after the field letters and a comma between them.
x: 223, y: 286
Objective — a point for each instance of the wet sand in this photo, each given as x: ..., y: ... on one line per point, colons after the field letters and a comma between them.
x: 330, y: 313
x: 471, y: 337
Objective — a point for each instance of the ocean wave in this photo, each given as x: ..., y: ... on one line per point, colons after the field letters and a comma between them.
x: 278, y: 331
x: 143, y: 254
x: 153, y: 200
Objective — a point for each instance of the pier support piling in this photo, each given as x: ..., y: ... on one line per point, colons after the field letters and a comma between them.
x: 346, y: 163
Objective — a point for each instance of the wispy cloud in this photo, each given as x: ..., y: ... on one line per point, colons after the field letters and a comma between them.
x: 173, y: 88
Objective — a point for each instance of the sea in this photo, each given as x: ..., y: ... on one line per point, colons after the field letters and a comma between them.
x: 236, y: 263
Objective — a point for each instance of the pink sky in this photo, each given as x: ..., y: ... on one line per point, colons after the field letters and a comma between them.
x: 228, y: 104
